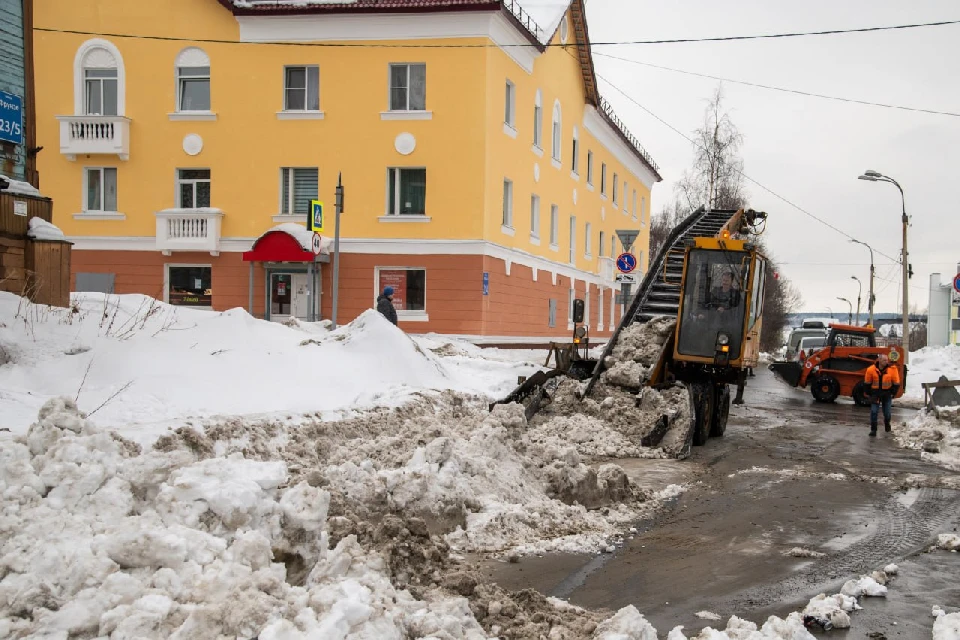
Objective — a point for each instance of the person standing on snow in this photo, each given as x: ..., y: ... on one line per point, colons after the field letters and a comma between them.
x: 883, y: 382
x: 385, y: 305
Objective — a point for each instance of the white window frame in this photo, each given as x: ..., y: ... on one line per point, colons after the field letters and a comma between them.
x: 575, y: 152
x: 634, y: 204
x: 408, y: 65
x: 510, y: 109
x: 590, y: 170
x: 187, y: 265
x: 624, y: 193
x: 193, y: 183
x: 603, y: 180
x: 86, y: 192
x: 599, y: 308
x: 643, y: 209
x: 603, y: 245
x: 616, y: 190
x: 192, y: 57
x: 286, y: 208
x: 506, y: 220
x: 554, y: 227
x: 588, y: 241
x: 571, y: 296
x: 556, y: 135
x: 97, y: 53
x: 406, y: 314
x: 586, y: 305
x: 296, y: 114
x: 390, y: 216
x: 573, y: 240
x: 535, y: 219
x: 538, y: 123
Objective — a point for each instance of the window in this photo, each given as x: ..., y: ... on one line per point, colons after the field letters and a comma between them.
x: 613, y: 304
x: 298, y: 186
x: 98, y: 79
x: 407, y: 189
x: 602, y: 246
x: 588, y: 241
x: 571, y: 294
x: 590, y: 168
x: 534, y: 216
x: 554, y: 225
x: 616, y: 191
x: 552, y: 312
x: 634, y: 209
x: 510, y: 106
x: 624, y: 195
x: 193, y: 80
x: 408, y: 87
x: 603, y: 178
x: 538, y: 120
x: 573, y: 239
x: 507, y: 203
x: 101, y: 188
x: 301, y: 88
x: 409, y: 288
x: 643, y: 207
x: 575, y: 160
x: 189, y: 286
x: 600, y: 308
x: 193, y: 188
x: 95, y: 282
x: 557, y: 129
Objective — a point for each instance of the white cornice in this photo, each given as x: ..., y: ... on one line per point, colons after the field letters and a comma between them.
x: 597, y: 125
x: 383, y: 246
x: 399, y: 26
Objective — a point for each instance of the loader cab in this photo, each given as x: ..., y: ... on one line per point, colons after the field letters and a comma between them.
x: 721, y: 303
x: 842, y: 335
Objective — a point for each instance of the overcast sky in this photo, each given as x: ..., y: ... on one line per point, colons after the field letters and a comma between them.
x: 809, y: 150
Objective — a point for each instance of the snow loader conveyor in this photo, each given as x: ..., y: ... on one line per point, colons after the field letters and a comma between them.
x: 708, y: 277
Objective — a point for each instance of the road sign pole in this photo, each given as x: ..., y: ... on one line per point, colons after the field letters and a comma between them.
x: 336, y: 247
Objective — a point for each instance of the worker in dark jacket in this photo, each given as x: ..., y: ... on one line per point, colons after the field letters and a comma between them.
x: 883, y: 382
x: 385, y: 305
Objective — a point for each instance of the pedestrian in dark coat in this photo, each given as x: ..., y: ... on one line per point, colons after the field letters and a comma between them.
x: 385, y: 305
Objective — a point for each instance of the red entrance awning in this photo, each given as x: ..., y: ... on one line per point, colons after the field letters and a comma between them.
x: 279, y: 245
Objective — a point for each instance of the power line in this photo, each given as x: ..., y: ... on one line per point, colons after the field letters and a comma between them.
x: 767, y: 36
x: 744, y: 175
x: 808, y: 94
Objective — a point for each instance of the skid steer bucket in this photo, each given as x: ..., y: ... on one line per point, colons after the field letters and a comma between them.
x: 789, y: 372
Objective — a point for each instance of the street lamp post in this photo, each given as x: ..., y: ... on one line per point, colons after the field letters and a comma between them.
x: 870, y: 299
x: 859, y: 292
x: 850, y: 313
x: 876, y: 176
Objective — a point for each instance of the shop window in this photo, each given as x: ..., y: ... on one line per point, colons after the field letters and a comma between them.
x: 189, y: 286
x: 409, y: 288
x: 551, y: 312
x: 281, y: 296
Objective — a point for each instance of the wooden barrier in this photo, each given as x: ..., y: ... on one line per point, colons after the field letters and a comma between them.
x: 37, y: 269
x: 47, y: 265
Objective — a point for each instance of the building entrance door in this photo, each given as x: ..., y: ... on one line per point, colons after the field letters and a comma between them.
x: 289, y: 296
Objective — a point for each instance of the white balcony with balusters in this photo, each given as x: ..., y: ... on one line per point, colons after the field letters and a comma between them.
x: 189, y: 230
x: 94, y: 135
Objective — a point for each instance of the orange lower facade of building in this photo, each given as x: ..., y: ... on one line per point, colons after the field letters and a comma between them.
x: 484, y: 299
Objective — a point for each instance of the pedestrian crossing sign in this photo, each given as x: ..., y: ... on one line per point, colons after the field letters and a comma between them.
x: 315, y: 219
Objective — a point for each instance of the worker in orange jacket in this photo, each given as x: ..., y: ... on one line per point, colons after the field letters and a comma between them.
x: 883, y: 380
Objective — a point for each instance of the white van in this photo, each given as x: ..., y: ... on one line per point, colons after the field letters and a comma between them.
x: 810, y: 344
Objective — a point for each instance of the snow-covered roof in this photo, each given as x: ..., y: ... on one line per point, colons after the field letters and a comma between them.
x: 547, y: 14
x: 20, y: 188
x: 40, y: 229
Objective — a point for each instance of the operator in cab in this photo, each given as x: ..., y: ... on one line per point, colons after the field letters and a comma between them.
x: 883, y: 380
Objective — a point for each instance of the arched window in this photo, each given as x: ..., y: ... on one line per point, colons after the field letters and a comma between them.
x: 98, y: 85
x: 575, y: 161
x: 557, y: 130
x: 193, y: 80
x: 538, y: 120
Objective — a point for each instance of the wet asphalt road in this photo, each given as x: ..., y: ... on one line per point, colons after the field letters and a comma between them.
x: 789, y: 472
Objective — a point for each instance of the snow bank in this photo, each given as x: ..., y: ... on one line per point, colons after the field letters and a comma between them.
x: 948, y: 542
x: 947, y: 627
x: 162, y: 364
x: 935, y: 433
x: 774, y: 628
x: 928, y: 364
x: 40, y: 229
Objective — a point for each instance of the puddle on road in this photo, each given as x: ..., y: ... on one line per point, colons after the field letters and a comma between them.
x: 908, y: 497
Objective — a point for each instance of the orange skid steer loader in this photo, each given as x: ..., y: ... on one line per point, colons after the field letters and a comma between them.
x: 838, y: 368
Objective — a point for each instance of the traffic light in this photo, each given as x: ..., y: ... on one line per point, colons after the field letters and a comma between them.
x: 909, y: 271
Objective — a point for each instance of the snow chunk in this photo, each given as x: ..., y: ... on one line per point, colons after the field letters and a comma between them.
x: 947, y: 627
x: 626, y: 624
x: 833, y: 608
x: 864, y: 586
x: 40, y: 229
x: 891, y: 569
x: 800, y: 552
x: 948, y: 542
x: 707, y: 615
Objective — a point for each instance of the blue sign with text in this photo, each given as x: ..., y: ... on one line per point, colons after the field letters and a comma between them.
x: 11, y: 118
x: 486, y: 283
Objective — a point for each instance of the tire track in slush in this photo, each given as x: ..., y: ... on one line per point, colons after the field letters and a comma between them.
x: 900, y: 532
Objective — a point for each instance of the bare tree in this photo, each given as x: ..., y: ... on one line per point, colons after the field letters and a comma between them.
x: 780, y: 299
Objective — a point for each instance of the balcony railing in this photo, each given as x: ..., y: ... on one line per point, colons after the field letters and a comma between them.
x: 104, y: 135
x: 615, y: 120
x: 189, y: 230
x: 524, y: 18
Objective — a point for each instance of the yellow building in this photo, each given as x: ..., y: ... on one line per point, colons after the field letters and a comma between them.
x: 484, y: 177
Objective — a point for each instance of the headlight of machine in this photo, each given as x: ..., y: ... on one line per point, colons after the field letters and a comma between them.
x: 723, y: 339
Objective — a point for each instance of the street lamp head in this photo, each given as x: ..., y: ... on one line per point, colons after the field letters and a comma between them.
x: 872, y: 173
x: 866, y: 177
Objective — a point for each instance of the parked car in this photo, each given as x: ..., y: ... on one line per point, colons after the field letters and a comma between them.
x: 793, y: 342
x: 810, y: 344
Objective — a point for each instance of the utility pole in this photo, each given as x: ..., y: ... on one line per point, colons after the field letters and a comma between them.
x: 338, y: 206
x: 876, y: 176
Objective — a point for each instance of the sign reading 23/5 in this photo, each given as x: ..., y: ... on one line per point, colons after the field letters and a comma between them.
x: 11, y: 118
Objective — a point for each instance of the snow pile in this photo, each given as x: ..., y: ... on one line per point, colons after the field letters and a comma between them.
x: 800, y: 552
x: 948, y: 542
x: 863, y: 586
x: 928, y: 364
x: 947, y: 627
x: 835, y: 609
x: 774, y: 628
x: 40, y: 229
x: 154, y: 365
x: 935, y: 433
x: 21, y: 188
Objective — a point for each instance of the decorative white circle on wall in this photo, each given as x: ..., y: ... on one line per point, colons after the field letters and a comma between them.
x: 192, y: 144
x: 405, y: 144
x: 536, y: 172
x: 574, y: 196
